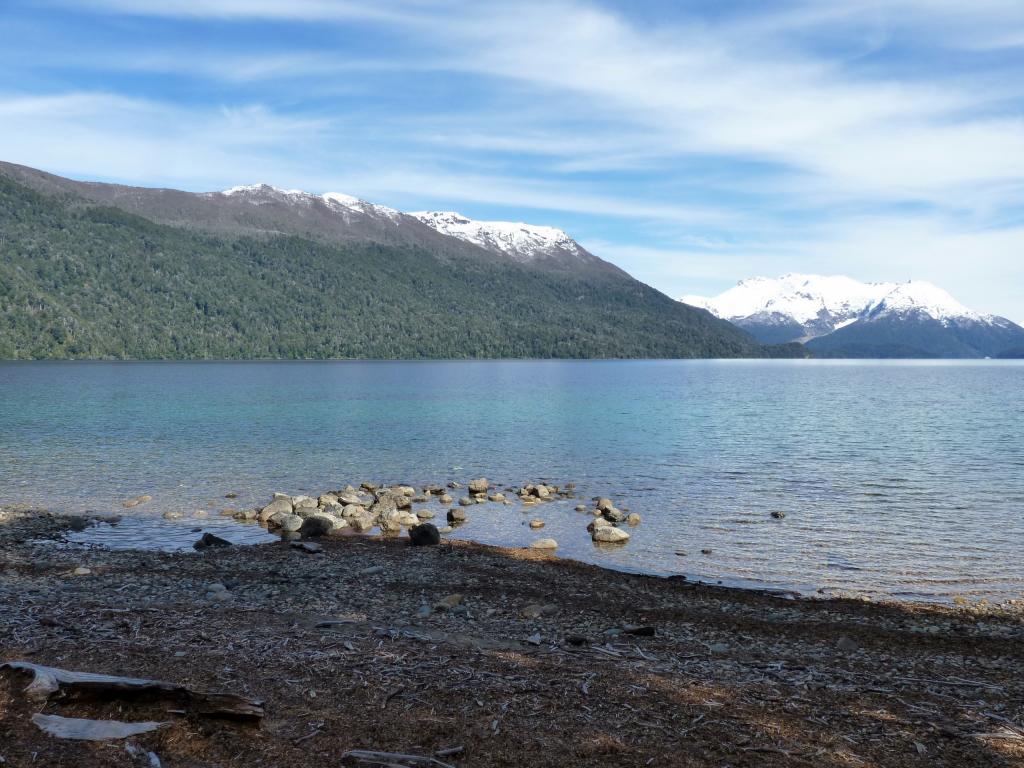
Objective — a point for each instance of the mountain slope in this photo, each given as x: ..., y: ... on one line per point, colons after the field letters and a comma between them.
x: 78, y: 280
x: 524, y: 243
x: 334, y: 218
x: 840, y: 317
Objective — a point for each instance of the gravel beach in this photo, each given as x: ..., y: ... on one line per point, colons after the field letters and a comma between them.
x: 480, y: 656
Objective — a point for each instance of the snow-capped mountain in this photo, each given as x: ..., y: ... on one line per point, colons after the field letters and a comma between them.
x: 839, y: 316
x: 526, y: 243
x: 334, y: 217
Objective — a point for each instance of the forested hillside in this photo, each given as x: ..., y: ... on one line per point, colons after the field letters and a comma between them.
x: 84, y: 281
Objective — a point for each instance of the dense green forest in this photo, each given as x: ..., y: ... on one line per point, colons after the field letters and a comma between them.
x: 83, y: 281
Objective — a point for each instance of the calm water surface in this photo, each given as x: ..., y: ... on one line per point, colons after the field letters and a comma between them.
x: 897, y: 478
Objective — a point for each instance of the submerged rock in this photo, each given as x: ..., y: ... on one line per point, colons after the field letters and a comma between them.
x: 633, y: 518
x: 456, y: 515
x: 544, y: 544
x: 536, y: 523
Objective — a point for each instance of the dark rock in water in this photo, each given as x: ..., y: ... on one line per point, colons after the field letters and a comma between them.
x: 576, y: 640
x: 705, y: 551
x: 313, y: 527
x: 424, y: 535
x: 78, y: 523
x: 778, y: 515
x: 231, y: 495
x: 210, y: 540
x: 456, y: 515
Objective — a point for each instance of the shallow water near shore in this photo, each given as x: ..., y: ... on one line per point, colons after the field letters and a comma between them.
x: 903, y: 479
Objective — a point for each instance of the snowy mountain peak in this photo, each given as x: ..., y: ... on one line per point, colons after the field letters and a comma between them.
x: 926, y: 298
x: 798, y: 307
x: 800, y: 298
x: 523, y: 242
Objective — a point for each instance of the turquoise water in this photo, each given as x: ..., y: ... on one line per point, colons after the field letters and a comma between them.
x: 896, y: 478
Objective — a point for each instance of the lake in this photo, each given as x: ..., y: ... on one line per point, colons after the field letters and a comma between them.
x: 902, y: 479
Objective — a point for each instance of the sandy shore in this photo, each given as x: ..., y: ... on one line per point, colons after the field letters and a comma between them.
x: 541, y: 662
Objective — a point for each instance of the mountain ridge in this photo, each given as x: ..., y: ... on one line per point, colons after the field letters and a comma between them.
x: 836, y: 316
x: 82, y: 278
x: 263, y: 209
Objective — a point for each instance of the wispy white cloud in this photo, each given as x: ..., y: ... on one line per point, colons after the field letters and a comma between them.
x: 761, y: 132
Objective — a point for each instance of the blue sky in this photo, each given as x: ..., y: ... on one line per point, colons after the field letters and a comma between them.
x: 692, y: 143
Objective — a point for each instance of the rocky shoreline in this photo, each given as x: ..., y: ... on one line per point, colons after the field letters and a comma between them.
x: 391, y: 509
x: 477, y: 655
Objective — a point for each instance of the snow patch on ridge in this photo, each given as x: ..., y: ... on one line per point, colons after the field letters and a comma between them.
x: 518, y: 240
x: 262, y: 193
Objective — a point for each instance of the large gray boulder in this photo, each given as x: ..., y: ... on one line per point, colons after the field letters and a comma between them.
x: 291, y: 523
x: 609, y: 535
x: 321, y: 525
x: 384, y: 505
x: 277, y: 505
x: 352, y: 510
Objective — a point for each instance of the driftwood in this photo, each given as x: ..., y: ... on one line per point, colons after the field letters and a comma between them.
x: 389, y: 759
x: 51, y: 682
x: 91, y: 730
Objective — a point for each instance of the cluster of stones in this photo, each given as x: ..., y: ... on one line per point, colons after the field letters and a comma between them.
x: 390, y: 508
x: 349, y: 509
x: 539, y: 492
x: 604, y: 528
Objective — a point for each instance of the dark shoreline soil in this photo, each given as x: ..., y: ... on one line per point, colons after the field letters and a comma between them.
x: 531, y: 668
